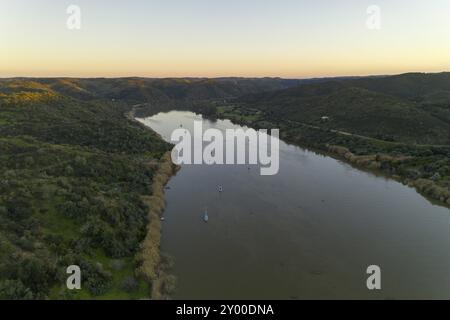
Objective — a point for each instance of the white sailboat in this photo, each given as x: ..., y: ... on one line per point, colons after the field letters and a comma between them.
x: 205, y: 216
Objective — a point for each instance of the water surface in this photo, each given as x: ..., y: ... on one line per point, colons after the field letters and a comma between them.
x: 309, y: 232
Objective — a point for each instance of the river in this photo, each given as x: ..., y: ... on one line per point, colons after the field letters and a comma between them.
x: 309, y: 232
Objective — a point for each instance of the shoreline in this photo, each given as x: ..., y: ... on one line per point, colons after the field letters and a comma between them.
x: 149, y: 258
x: 150, y: 263
x: 379, y: 162
x: 425, y: 187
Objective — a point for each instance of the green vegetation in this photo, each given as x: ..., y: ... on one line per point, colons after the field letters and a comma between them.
x: 410, y: 108
x: 170, y: 92
x: 71, y: 186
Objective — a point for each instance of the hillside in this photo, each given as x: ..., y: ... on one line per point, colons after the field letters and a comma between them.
x: 159, y: 90
x: 73, y: 174
x: 412, y: 108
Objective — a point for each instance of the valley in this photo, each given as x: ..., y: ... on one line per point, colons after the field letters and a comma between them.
x: 77, y: 184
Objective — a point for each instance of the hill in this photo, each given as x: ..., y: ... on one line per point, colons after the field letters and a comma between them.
x: 411, y: 108
x: 71, y: 186
x: 164, y: 90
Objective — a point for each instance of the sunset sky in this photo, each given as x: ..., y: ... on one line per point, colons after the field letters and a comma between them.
x: 253, y: 38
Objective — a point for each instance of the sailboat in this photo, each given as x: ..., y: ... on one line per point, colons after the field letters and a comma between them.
x: 205, y: 216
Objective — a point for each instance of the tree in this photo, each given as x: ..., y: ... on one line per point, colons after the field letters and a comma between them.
x: 14, y: 290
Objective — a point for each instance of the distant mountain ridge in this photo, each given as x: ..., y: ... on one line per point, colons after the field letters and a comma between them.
x: 411, y: 107
x: 152, y: 90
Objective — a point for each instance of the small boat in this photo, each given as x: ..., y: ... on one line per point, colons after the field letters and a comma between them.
x: 220, y: 188
x: 205, y: 216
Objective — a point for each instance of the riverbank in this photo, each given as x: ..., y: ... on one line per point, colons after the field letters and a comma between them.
x: 386, y: 163
x: 152, y: 266
x: 149, y: 262
x: 424, y: 168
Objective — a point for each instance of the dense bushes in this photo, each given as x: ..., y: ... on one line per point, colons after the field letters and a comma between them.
x: 72, y: 178
x: 14, y: 290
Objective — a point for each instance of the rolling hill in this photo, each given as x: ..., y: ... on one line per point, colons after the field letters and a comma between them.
x: 412, y: 108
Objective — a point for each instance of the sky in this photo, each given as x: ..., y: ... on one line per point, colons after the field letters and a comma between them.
x: 214, y: 38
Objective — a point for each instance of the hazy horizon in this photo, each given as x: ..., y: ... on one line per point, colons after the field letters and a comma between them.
x: 176, y: 39
x: 223, y: 77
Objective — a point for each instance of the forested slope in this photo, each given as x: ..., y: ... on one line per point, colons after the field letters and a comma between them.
x: 72, y: 178
x: 411, y: 108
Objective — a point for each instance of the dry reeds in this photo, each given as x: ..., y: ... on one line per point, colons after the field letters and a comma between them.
x: 148, y: 258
